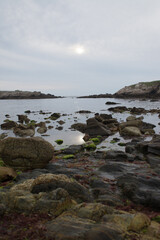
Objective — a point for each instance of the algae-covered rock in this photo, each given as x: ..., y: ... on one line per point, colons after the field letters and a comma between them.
x: 59, y: 141
x: 90, y: 146
x: 92, y: 211
x: 139, y: 222
x: 49, y: 182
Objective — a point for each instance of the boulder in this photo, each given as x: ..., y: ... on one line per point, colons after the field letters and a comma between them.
x: 26, y: 153
x: 7, y: 173
x: 139, y: 222
x: 131, y: 131
x: 23, y: 119
x: 55, y: 116
x: 49, y: 182
x: 127, y: 221
x: 130, y: 118
x: 95, y: 128
x: 133, y: 123
x: 8, y: 125
x: 79, y: 126
x: 42, y: 127
x: 24, y: 131
x: 92, y: 211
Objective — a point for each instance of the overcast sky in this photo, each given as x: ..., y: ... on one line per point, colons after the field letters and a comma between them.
x: 78, y: 47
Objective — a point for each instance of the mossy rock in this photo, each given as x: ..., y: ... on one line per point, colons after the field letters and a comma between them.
x: 59, y: 141
x: 68, y: 156
x: 90, y: 146
x: 95, y: 140
x: 32, y: 123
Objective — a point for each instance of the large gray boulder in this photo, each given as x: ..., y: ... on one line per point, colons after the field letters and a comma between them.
x: 95, y: 128
x: 26, y: 153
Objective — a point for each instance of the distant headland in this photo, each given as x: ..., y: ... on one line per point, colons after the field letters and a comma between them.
x: 139, y: 90
x: 18, y: 94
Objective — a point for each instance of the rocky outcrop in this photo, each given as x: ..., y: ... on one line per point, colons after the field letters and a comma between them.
x: 133, y: 110
x: 95, y: 195
x: 135, y: 127
x: 17, y: 94
x: 140, y: 90
x: 101, y: 124
x: 26, y: 153
x: 49, y: 182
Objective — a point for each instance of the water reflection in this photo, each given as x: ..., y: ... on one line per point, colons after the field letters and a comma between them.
x: 68, y: 107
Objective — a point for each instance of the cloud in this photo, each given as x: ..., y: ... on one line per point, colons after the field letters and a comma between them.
x: 121, y: 41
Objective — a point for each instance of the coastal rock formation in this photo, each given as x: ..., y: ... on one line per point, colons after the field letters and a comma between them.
x: 101, y: 124
x: 17, y: 94
x: 26, y: 153
x: 140, y: 90
x: 135, y: 127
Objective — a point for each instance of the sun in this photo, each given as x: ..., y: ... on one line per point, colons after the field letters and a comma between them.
x: 79, y: 50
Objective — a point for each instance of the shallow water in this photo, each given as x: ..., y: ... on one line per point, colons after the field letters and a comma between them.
x: 70, y: 106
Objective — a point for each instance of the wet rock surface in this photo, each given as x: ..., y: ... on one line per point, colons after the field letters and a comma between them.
x: 95, y: 195
x: 85, y: 192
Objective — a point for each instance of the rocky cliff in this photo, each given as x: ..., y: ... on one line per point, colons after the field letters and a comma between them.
x: 17, y: 94
x: 140, y: 90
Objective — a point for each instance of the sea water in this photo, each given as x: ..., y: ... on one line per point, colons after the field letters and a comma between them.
x: 68, y: 108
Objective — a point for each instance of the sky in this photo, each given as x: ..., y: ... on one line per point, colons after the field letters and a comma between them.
x: 78, y: 47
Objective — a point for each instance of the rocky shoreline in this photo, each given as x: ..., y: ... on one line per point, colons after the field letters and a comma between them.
x: 81, y: 192
x: 17, y: 94
x: 142, y: 90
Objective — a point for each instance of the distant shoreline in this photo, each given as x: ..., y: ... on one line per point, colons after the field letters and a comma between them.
x: 17, y: 94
